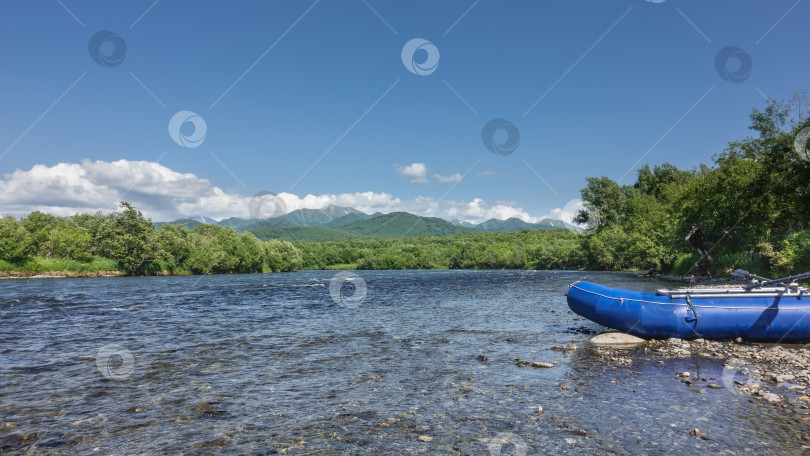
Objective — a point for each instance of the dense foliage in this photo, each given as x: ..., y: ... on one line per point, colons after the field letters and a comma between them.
x: 752, y: 208
x: 126, y: 241
x: 555, y: 249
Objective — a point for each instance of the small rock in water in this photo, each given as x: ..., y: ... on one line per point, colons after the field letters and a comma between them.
x: 542, y: 365
x: 482, y: 358
x: 686, y: 375
x: 771, y: 398
x: 539, y: 410
x: 616, y: 338
x: 697, y: 433
x: 714, y: 386
x: 425, y: 438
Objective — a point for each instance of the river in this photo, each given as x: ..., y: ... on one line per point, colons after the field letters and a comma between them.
x: 392, y: 362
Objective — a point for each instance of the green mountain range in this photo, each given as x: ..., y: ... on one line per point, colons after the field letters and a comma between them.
x: 335, y: 222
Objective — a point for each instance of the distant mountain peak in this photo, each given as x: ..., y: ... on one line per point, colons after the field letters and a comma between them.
x: 198, y: 218
x: 349, y: 222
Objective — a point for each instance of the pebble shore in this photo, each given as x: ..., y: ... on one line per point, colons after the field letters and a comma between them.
x: 776, y: 374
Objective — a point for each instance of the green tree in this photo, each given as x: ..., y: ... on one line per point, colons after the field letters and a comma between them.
x: 250, y: 252
x: 39, y: 224
x: 172, y: 245
x: 205, y: 252
x: 603, y: 199
x: 217, y: 249
x: 16, y: 245
x: 92, y: 223
x: 282, y: 256
x: 67, y: 240
x: 127, y: 237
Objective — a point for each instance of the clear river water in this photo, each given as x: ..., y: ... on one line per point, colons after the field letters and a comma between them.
x: 392, y: 362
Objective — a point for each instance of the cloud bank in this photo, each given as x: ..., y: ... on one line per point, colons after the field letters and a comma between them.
x: 164, y: 195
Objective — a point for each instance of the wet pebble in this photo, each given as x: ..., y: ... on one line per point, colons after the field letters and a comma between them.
x: 749, y: 364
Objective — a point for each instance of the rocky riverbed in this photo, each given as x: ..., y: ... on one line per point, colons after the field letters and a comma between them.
x: 776, y: 374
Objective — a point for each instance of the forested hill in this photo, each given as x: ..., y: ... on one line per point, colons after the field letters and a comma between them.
x: 393, y: 225
x: 334, y: 222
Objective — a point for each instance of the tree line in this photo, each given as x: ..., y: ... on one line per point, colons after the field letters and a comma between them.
x: 133, y: 245
x: 527, y: 249
x: 751, y: 209
x: 126, y: 241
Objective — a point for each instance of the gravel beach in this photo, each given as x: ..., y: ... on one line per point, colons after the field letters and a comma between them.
x: 775, y: 373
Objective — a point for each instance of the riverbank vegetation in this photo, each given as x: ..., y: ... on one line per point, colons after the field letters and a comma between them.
x: 750, y: 209
x: 528, y: 249
x: 128, y: 243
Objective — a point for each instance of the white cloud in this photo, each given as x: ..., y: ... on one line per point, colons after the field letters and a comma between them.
x: 447, y: 179
x: 567, y: 212
x: 478, y: 210
x: 164, y: 195
x: 67, y: 188
x: 416, y: 172
x: 487, y: 172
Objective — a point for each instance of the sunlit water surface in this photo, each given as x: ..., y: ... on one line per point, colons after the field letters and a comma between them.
x: 271, y: 364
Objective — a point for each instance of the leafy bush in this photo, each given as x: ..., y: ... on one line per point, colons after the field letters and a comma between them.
x: 281, y: 256
x: 793, y: 255
x: 16, y: 245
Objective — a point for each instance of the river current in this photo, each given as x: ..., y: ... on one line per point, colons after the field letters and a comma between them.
x: 350, y: 363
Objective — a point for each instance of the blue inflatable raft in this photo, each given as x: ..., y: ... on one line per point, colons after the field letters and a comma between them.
x: 763, y: 311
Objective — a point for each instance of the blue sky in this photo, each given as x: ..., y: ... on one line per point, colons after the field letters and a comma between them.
x: 593, y: 88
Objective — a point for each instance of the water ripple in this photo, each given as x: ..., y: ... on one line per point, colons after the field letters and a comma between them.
x: 269, y: 364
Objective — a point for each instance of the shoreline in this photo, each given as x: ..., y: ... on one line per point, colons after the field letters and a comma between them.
x: 115, y: 273
x: 61, y: 275
x: 691, y: 280
x: 778, y: 374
